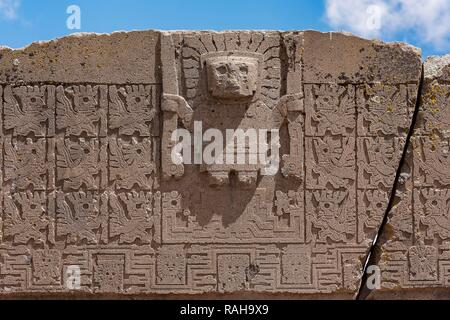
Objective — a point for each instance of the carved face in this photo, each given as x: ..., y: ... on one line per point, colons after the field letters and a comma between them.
x: 171, y: 268
x: 108, y: 275
x: 232, y: 77
x: 33, y: 100
x: 137, y: 100
x: 436, y: 203
x: 47, y: 267
x: 296, y: 268
x: 330, y: 205
x: 327, y: 102
x: 86, y: 206
x: 85, y: 98
x: 232, y: 272
x: 34, y: 208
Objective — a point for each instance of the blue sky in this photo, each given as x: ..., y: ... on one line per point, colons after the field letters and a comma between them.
x: 425, y: 23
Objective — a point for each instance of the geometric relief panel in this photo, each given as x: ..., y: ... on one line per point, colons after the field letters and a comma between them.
x: 79, y: 212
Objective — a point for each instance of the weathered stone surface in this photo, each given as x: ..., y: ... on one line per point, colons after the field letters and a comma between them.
x: 90, y: 190
x: 343, y: 58
x: 413, y: 250
x: 117, y: 58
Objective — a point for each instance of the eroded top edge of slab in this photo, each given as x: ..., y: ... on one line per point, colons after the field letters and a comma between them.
x: 119, y: 57
x: 437, y: 68
x: 331, y: 57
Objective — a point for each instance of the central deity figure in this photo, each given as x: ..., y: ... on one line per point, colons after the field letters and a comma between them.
x: 231, y: 76
x: 231, y: 90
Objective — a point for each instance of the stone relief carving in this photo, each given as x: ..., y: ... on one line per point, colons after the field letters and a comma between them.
x: 330, y: 162
x: 29, y: 163
x: 414, y: 246
x: 133, y: 109
x: 89, y: 181
x: 330, y: 108
x: 46, y: 266
x: 81, y: 216
x: 131, y: 163
x: 134, y: 218
x: 30, y: 109
x: 229, y: 89
x: 28, y: 216
x: 81, y: 163
x: 82, y: 109
x: 332, y: 214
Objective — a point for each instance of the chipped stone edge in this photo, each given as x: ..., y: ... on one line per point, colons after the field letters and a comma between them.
x: 403, y: 45
x: 434, y: 66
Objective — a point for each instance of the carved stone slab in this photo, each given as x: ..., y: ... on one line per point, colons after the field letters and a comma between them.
x: 93, y: 203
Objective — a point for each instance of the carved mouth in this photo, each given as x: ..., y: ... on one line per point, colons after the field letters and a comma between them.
x: 233, y: 88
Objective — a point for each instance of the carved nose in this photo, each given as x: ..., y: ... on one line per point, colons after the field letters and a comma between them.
x: 233, y: 82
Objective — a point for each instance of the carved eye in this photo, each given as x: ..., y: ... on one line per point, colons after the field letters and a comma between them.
x: 139, y: 206
x: 379, y: 205
x: 326, y: 150
x: 85, y: 99
x: 33, y: 207
x: 434, y: 203
x: 85, y: 206
x: 138, y: 99
x: 33, y: 100
x: 327, y: 205
x: 139, y: 151
x: 222, y: 70
x: 243, y: 69
x: 86, y: 151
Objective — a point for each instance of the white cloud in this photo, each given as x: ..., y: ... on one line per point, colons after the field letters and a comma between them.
x: 426, y: 20
x: 8, y: 8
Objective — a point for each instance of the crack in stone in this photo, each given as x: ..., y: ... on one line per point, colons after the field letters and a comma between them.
x: 363, y: 291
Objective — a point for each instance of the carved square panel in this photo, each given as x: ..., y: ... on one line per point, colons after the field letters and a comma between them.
x: 372, y: 206
x: 385, y: 109
x: 81, y: 163
x: 431, y: 160
x: 108, y: 273
x: 46, y: 267
x: 29, y: 163
x: 82, y: 217
x: 30, y: 110
x: 330, y: 109
x: 378, y: 160
x: 255, y: 217
x: 132, y: 163
x: 330, y: 162
x: 332, y: 216
x: 29, y: 217
x: 82, y: 109
x: 134, y: 110
x: 134, y: 218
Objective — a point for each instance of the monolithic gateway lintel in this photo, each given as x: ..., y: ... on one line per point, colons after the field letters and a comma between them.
x: 93, y: 201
